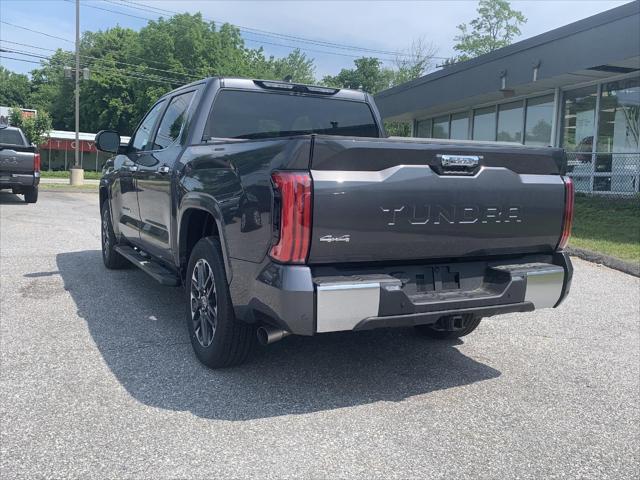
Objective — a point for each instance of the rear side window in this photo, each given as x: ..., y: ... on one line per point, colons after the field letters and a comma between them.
x: 173, y: 121
x: 247, y: 114
x: 11, y: 137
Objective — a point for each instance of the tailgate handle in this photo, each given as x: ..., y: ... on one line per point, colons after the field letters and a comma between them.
x: 458, y: 164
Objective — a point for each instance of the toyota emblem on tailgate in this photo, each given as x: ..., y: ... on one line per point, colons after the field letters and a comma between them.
x: 468, y: 161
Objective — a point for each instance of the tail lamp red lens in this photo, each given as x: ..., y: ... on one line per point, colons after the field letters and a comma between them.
x: 568, y: 212
x: 293, y: 231
x: 36, y: 162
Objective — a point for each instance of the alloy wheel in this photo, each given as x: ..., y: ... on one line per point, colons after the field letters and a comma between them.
x: 204, y: 302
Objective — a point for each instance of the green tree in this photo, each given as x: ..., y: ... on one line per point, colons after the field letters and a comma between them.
x: 495, y: 27
x: 368, y: 75
x: 14, y: 89
x: 130, y: 69
x: 296, y: 65
x: 415, y: 61
x: 51, y: 92
x: 35, y: 128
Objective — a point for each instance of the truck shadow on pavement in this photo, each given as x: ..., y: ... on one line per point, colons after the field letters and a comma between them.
x: 138, y: 327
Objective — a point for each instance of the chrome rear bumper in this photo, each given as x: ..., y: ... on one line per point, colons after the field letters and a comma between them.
x: 353, y: 303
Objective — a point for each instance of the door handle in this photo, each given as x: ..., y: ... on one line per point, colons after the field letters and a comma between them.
x: 163, y: 169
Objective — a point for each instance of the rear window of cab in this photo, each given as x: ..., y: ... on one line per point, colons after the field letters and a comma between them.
x: 250, y: 114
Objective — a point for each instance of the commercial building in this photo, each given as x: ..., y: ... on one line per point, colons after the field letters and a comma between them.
x: 577, y: 87
x: 58, y: 152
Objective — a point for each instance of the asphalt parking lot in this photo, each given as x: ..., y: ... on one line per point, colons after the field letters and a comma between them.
x: 98, y: 380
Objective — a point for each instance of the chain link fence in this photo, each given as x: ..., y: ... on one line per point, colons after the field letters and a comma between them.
x: 605, y: 173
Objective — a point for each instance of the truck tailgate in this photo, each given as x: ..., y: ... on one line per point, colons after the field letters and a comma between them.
x: 391, y: 199
x: 15, y: 159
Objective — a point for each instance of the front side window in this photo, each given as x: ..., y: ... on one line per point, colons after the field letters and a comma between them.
x: 173, y: 121
x: 142, y: 136
x: 249, y: 114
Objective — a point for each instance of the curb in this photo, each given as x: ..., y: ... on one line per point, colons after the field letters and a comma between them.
x: 43, y: 188
x: 606, y: 260
x: 65, y: 181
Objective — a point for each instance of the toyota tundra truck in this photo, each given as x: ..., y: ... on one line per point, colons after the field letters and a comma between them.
x: 19, y: 164
x: 284, y: 209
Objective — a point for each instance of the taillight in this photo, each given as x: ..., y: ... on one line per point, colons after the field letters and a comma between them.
x: 36, y: 162
x: 293, y: 220
x: 568, y: 213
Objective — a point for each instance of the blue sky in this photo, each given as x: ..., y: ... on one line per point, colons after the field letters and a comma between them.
x: 379, y: 25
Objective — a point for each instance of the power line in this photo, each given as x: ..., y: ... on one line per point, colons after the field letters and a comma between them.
x: 19, y: 59
x: 256, y: 31
x: 99, y: 69
x: 247, y: 40
x: 186, y: 75
x: 36, y: 31
x: 28, y: 45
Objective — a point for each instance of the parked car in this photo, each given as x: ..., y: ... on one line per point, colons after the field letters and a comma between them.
x: 19, y: 164
x: 283, y: 209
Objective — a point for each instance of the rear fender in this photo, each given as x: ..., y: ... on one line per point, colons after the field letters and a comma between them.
x: 207, y: 203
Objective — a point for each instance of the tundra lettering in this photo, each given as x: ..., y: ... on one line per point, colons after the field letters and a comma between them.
x: 452, y: 214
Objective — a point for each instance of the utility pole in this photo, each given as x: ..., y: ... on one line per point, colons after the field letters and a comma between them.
x: 77, y: 173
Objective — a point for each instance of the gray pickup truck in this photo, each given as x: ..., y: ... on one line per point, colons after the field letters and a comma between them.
x: 19, y: 164
x: 284, y: 209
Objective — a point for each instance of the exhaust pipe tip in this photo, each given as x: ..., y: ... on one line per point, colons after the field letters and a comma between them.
x: 268, y: 334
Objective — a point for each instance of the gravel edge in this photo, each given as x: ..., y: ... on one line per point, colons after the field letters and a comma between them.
x: 630, y: 268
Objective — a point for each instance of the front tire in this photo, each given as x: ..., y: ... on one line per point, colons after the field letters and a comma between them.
x: 218, y: 339
x: 111, y: 258
x: 448, y: 328
x: 31, y: 194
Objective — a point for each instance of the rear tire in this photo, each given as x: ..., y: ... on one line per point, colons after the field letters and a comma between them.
x: 111, y: 258
x: 31, y: 194
x: 219, y: 340
x: 447, y: 329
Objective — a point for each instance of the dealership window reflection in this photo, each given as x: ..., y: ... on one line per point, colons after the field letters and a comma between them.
x: 484, y: 124
x: 539, y: 117
x: 460, y: 126
x: 510, y: 122
x: 441, y: 127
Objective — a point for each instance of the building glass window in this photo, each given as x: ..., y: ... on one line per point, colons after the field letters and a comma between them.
x: 618, y: 146
x: 538, y: 121
x: 484, y: 124
x: 510, y: 122
x: 459, y: 126
x: 441, y: 127
x: 578, y: 123
x: 619, y: 119
x: 423, y: 128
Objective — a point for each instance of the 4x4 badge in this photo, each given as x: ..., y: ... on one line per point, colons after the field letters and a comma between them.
x: 331, y: 238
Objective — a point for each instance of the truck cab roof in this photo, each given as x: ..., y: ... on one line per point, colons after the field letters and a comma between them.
x: 281, y: 86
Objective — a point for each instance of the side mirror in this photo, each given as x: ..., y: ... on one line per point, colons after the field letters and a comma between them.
x: 108, y: 141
